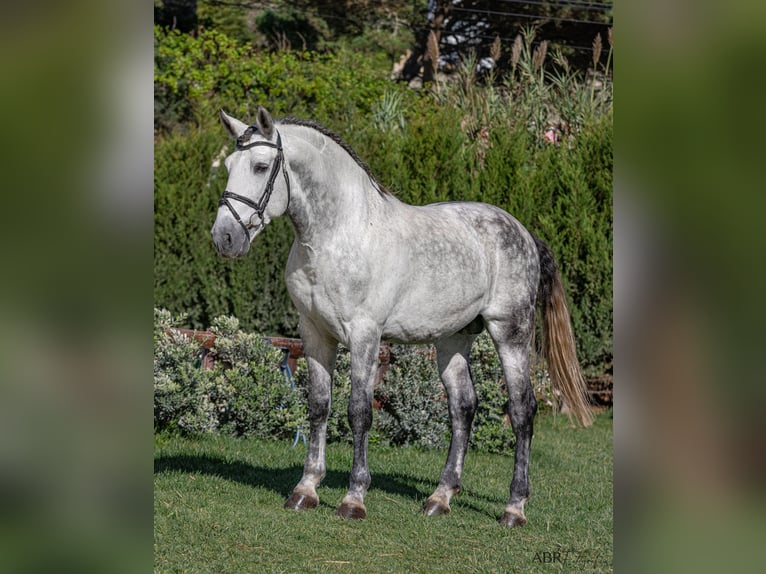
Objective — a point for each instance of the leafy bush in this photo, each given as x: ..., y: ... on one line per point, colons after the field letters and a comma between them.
x: 245, y: 394
x: 413, y: 404
x: 200, y: 74
x: 414, y: 407
x: 492, y: 432
x: 180, y: 386
x: 338, y: 427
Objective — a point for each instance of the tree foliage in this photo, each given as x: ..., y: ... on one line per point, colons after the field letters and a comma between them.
x: 464, y: 26
x: 400, y: 27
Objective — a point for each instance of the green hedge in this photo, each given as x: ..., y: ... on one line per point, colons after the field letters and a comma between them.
x: 462, y: 141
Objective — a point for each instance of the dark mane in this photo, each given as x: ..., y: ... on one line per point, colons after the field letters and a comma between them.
x: 337, y: 139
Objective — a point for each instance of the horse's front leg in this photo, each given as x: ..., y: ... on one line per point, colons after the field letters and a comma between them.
x: 364, y: 354
x: 320, y: 353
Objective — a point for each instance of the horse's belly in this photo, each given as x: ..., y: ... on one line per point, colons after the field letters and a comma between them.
x: 424, y: 319
x: 408, y: 331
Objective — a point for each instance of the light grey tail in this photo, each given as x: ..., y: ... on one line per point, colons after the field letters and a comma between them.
x: 558, y: 344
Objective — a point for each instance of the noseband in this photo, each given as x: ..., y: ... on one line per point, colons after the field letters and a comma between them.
x: 259, y: 207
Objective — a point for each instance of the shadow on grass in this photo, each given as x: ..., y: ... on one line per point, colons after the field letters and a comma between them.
x: 282, y: 480
x: 279, y: 480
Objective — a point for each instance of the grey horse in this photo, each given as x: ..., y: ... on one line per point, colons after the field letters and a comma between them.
x: 365, y: 267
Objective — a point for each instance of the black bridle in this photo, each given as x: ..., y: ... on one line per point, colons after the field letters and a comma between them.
x: 259, y: 207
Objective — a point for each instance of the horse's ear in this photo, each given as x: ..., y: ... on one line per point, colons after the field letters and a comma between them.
x: 235, y: 127
x: 265, y: 122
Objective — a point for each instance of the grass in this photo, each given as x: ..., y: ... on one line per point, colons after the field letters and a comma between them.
x: 218, y: 508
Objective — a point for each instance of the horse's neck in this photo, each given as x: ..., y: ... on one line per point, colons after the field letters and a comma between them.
x: 332, y: 191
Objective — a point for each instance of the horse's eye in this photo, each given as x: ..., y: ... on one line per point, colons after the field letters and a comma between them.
x: 260, y: 168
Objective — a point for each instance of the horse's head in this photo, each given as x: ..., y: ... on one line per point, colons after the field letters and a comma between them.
x: 258, y: 189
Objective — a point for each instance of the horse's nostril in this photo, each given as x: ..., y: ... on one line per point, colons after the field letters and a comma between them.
x: 227, y: 238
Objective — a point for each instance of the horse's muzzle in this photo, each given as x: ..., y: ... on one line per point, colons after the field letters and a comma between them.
x: 229, y: 240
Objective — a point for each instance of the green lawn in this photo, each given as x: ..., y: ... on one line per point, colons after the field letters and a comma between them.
x: 218, y: 508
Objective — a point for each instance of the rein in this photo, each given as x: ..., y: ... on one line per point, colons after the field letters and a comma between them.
x: 263, y: 202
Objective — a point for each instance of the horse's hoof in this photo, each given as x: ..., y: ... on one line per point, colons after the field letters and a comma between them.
x: 301, y: 501
x: 435, y: 508
x: 351, y: 511
x: 510, y: 520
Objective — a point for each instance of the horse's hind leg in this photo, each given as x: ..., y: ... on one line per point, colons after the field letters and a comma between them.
x: 512, y: 341
x: 452, y: 360
x: 320, y: 356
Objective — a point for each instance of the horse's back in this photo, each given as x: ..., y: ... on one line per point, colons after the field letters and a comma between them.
x: 494, y: 234
x: 495, y: 227
x: 463, y: 259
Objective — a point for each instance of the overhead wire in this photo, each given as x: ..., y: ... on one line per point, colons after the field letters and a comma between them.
x: 527, y: 16
x: 594, y: 6
x: 511, y: 40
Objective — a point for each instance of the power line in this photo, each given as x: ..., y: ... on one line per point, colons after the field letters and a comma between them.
x: 595, y: 6
x: 560, y: 3
x: 528, y: 16
x: 447, y: 33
